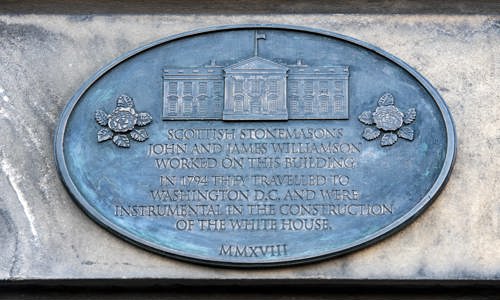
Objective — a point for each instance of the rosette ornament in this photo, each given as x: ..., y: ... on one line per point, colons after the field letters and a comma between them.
x: 389, y: 121
x: 120, y: 125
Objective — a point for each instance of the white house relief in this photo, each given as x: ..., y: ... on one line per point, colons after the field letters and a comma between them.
x: 256, y: 89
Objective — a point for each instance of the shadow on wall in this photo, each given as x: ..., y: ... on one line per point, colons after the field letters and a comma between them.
x: 85, y: 7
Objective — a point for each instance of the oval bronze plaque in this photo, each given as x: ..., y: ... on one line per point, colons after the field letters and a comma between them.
x: 255, y: 145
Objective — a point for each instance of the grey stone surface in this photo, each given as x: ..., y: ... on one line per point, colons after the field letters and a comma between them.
x: 382, y: 7
x: 45, y: 58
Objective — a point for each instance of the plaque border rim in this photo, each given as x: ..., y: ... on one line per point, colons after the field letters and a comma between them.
x: 382, y: 233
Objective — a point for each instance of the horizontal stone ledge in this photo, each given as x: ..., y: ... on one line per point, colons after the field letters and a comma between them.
x: 249, y: 7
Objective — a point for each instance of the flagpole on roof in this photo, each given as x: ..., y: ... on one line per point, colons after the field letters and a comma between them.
x: 257, y: 37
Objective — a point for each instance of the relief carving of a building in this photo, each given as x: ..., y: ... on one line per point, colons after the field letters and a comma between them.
x: 256, y: 89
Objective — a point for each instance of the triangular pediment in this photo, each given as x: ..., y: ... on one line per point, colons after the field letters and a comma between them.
x: 256, y: 63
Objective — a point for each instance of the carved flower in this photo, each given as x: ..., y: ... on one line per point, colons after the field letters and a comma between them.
x: 388, y: 117
x: 122, y: 122
x: 122, y: 119
x: 388, y: 120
